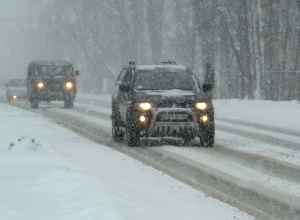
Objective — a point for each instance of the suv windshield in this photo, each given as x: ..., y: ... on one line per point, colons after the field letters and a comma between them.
x: 53, y: 71
x: 165, y: 80
x: 17, y: 82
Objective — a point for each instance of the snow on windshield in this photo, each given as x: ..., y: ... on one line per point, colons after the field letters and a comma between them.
x: 53, y: 71
x: 165, y: 80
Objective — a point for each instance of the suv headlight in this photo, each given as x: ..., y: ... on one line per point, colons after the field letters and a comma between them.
x: 202, y: 105
x: 143, y: 106
x: 40, y: 85
x: 69, y: 85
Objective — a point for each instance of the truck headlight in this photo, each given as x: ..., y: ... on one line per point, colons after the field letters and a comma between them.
x: 69, y: 85
x: 202, y: 105
x: 204, y: 118
x: 40, y: 85
x: 143, y: 119
x: 143, y: 106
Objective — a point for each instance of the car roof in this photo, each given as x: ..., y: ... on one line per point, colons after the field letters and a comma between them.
x: 161, y: 66
x: 50, y: 62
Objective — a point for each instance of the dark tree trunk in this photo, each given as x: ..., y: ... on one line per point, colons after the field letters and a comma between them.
x: 243, y: 36
x: 271, y: 32
x: 205, y: 11
x: 194, y: 38
x: 155, y: 15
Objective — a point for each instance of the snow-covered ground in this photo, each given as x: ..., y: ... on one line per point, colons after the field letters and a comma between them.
x: 48, y: 172
x: 284, y: 114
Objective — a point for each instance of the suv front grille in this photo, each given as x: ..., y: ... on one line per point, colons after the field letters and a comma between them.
x: 55, y: 88
x: 175, y: 117
x: 173, y: 105
x: 54, y: 85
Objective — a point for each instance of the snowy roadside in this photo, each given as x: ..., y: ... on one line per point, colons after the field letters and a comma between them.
x: 48, y: 172
x: 283, y: 114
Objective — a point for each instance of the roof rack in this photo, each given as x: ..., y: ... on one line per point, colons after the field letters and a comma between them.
x: 169, y: 62
x: 131, y: 63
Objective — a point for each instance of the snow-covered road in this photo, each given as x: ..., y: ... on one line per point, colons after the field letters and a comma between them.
x: 239, y: 154
x: 48, y: 172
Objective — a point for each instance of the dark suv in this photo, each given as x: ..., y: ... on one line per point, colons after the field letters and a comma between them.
x: 161, y: 101
x: 51, y: 80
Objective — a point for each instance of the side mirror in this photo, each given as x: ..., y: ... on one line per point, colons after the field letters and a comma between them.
x: 77, y: 73
x: 124, y: 88
x: 207, y: 87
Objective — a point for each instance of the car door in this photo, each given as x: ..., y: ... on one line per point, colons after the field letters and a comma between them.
x: 118, y: 82
x: 125, y: 97
x: 122, y: 97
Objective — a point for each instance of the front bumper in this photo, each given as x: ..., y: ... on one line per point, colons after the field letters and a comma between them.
x: 192, y: 127
x: 51, y: 96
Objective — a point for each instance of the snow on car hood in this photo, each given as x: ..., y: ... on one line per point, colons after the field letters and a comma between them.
x: 173, y: 92
x: 172, y: 96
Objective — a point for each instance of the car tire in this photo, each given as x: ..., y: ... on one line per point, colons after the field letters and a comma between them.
x: 132, y: 135
x: 68, y: 103
x: 207, y: 137
x: 117, y: 134
x: 34, y: 103
x: 187, y: 141
x: 8, y: 99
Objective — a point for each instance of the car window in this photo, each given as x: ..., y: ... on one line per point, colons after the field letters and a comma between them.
x: 128, y: 77
x: 17, y: 82
x: 53, y: 71
x: 121, y: 75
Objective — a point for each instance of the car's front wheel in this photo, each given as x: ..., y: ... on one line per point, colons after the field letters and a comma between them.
x: 68, y: 103
x: 117, y: 134
x: 207, y: 137
x: 132, y: 134
x: 34, y: 103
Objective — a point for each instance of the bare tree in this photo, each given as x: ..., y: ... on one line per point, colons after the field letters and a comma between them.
x: 155, y: 18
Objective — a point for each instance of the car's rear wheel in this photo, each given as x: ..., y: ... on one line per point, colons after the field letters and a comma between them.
x: 132, y: 134
x: 34, y: 103
x: 207, y: 137
x: 117, y: 134
x: 68, y: 103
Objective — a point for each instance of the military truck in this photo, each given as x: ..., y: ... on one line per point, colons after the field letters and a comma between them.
x: 51, y: 80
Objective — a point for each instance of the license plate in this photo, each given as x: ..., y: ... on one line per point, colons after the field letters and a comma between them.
x: 174, y: 116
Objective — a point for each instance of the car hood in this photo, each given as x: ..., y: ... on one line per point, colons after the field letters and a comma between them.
x: 172, y: 98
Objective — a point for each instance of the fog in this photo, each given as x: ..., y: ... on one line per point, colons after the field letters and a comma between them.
x: 252, y: 45
x: 13, y: 26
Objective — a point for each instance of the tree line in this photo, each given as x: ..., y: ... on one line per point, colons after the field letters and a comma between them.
x: 253, y: 45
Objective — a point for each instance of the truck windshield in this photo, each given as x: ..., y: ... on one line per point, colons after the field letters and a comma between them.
x: 53, y: 71
x: 165, y: 80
